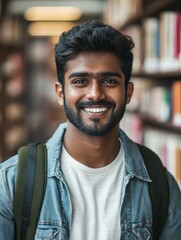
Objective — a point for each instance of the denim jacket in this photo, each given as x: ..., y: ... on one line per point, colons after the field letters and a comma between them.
x: 55, y: 217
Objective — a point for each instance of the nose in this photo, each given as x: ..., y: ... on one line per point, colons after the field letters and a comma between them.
x: 95, y: 91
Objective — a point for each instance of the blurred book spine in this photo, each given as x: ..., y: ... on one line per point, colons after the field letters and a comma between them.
x: 151, y: 44
x: 170, y: 35
x: 136, y: 33
x: 162, y: 43
x: 159, y: 36
x: 168, y: 147
x: 158, y: 101
x: 176, y: 103
x: 132, y: 125
x: 118, y: 12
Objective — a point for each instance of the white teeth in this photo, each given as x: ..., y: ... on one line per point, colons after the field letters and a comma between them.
x: 97, y: 110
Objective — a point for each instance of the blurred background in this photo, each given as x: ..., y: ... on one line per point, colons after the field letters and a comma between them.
x: 29, y: 30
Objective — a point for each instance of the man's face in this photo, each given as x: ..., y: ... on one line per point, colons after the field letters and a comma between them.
x: 94, y: 94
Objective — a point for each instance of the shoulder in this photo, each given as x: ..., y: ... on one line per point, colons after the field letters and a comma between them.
x: 8, y: 170
x: 175, y: 191
x: 172, y: 228
x: 9, y: 164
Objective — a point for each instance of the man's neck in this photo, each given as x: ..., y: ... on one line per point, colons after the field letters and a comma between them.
x: 92, y: 151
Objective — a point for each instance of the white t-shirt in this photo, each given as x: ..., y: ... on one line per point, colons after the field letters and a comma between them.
x: 96, y: 198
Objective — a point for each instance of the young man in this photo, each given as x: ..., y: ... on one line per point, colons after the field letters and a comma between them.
x: 97, y: 183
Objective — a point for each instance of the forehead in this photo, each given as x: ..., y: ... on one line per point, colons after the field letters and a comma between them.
x: 94, y: 62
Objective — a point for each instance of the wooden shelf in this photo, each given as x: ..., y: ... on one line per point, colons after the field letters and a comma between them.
x: 161, y: 125
x: 153, y: 9
x: 159, y: 75
x: 152, y: 122
x: 157, y: 6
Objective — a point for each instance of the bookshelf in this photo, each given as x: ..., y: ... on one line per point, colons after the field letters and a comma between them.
x: 13, y: 111
x: 12, y: 87
x: 154, y: 114
x: 128, y: 12
x: 170, y: 76
x: 44, y: 113
x: 150, y: 121
x: 28, y: 103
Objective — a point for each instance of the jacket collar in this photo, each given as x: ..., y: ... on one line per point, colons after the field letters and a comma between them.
x: 134, y: 164
x: 54, y: 145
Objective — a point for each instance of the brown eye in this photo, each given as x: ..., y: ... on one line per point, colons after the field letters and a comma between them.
x: 81, y: 82
x: 110, y: 82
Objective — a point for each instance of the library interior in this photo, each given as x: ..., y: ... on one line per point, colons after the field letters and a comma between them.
x: 28, y: 106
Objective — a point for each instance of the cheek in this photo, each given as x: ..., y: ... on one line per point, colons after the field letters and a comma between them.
x: 72, y: 96
x: 118, y: 97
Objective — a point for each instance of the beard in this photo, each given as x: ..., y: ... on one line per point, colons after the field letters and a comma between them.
x: 96, y: 128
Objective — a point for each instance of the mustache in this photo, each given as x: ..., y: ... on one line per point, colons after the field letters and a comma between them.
x: 93, y: 103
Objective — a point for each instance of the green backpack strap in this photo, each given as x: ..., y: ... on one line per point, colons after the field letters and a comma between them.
x: 29, y: 190
x: 158, y: 189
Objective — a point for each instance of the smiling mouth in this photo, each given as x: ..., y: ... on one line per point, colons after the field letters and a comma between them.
x: 95, y: 109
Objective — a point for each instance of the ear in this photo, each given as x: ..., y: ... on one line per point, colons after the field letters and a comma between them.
x: 129, y: 93
x: 59, y: 93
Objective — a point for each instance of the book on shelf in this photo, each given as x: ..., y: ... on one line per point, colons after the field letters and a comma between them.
x: 151, y: 44
x: 176, y: 103
x: 15, y: 136
x: 136, y: 33
x: 13, y: 75
x: 119, y: 12
x: 178, y: 165
x: 132, y: 125
x: 152, y: 100
x: 15, y: 86
x: 170, y: 34
x: 160, y: 40
x: 177, y: 38
x: 11, y: 30
x: 15, y: 111
x: 112, y: 12
x: 168, y: 148
x: 157, y: 100
x: 166, y: 145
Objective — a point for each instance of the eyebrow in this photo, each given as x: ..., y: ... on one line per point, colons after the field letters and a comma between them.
x: 99, y: 74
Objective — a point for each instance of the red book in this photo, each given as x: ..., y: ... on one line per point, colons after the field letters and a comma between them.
x: 177, y: 32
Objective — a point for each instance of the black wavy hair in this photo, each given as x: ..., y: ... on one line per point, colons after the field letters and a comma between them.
x: 94, y: 36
